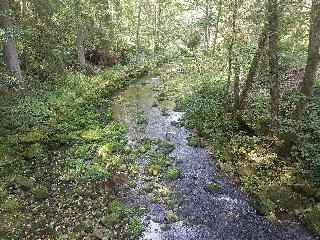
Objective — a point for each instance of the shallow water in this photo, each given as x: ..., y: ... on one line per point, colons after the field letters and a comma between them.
x: 222, y: 214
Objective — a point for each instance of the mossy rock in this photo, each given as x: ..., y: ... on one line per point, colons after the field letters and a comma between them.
x: 105, y: 150
x: 311, y: 217
x: 286, y: 198
x: 166, y: 147
x: 245, y: 170
x: 194, y: 142
x: 171, y: 216
x: 154, y: 170
x: 91, y: 135
x: 33, y: 136
x: 24, y: 182
x: 141, y: 120
x: 173, y: 173
x: 33, y: 151
x: 212, y: 187
x: 308, y: 189
x: 40, y: 192
x: 263, y: 205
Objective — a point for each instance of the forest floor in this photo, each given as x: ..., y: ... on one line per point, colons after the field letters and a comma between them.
x: 181, y: 191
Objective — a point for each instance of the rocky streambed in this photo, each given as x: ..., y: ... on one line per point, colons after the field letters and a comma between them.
x: 177, y: 185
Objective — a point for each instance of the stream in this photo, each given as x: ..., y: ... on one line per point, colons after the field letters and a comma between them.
x: 201, y: 214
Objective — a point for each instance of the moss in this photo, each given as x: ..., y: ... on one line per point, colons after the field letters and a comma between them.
x: 36, y: 134
x: 263, y: 205
x: 141, y: 120
x: 40, y: 192
x: 212, y: 187
x: 10, y: 204
x: 311, y: 217
x: 34, y: 150
x: 132, y: 184
x: 286, y: 198
x: 91, y: 135
x: 165, y: 191
x: 133, y: 228
x: 172, y: 173
x: 194, y: 142
x: 154, y: 169
x: 165, y: 147
x: 24, y: 182
x: 171, y: 216
x: 105, y: 150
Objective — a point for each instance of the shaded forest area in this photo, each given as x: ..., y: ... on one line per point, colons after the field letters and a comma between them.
x: 245, y: 74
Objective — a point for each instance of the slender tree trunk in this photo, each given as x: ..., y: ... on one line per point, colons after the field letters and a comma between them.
x: 9, y: 43
x: 80, y: 35
x: 217, y: 25
x: 312, y: 62
x: 138, y: 30
x: 236, y: 84
x: 253, y: 67
x: 25, y: 53
x: 232, y: 42
x: 207, y: 26
x: 158, y: 12
x: 273, y: 18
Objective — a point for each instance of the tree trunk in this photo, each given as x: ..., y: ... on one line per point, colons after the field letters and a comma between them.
x: 80, y: 35
x: 312, y: 61
x: 158, y: 11
x: 9, y: 43
x: 217, y: 25
x: 138, y: 31
x: 236, y: 84
x: 273, y: 19
x: 253, y: 67
x: 207, y: 26
x: 232, y: 42
x: 25, y: 54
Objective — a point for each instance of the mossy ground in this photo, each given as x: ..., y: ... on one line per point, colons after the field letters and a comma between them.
x: 62, y: 158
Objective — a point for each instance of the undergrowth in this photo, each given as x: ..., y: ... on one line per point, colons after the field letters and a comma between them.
x: 62, y: 160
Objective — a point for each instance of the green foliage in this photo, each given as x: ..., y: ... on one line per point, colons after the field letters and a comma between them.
x: 173, y: 173
x: 56, y: 147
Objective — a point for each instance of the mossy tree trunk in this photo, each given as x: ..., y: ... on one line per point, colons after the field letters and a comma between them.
x: 253, y: 67
x: 273, y: 21
x: 9, y: 43
x: 80, y: 35
x: 307, y: 85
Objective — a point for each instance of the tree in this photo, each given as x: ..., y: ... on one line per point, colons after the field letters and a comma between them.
x: 9, y: 43
x: 215, y: 37
x: 253, y: 67
x: 138, y: 26
x: 207, y: 23
x: 273, y: 21
x: 306, y: 87
x: 80, y: 35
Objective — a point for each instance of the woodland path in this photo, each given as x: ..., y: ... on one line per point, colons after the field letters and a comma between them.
x: 185, y: 207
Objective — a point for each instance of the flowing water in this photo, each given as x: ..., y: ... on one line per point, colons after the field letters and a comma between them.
x: 221, y: 214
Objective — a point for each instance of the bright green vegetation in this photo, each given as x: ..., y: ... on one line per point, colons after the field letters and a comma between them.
x: 62, y: 159
x: 173, y: 173
x: 212, y: 187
